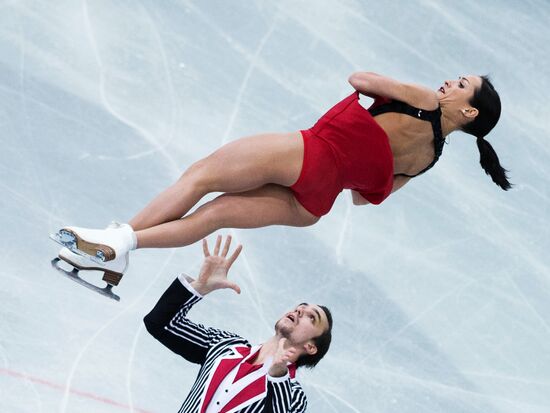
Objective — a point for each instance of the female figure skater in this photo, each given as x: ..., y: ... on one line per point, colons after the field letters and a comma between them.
x: 293, y: 178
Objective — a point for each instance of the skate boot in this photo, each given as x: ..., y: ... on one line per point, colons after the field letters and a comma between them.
x: 113, y: 270
x: 100, y: 245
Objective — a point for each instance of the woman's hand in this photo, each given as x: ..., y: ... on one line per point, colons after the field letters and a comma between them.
x: 213, y: 274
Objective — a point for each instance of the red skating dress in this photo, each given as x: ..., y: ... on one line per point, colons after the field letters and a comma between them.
x: 345, y: 149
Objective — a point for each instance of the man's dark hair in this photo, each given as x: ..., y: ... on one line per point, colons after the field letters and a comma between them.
x: 487, y: 102
x: 322, y: 343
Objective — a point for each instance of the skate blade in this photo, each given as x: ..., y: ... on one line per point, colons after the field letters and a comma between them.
x: 70, y: 240
x: 110, y: 277
x: 73, y: 275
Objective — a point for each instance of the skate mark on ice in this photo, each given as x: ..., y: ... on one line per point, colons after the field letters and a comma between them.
x: 527, y: 303
x: 244, y: 83
x: 451, y: 20
x: 140, y: 328
x: 3, y: 356
x: 326, y: 400
x: 322, y: 389
x: 31, y: 204
x: 506, y: 378
x: 343, y: 231
x: 174, y: 106
x: 337, y: 48
x: 130, y: 365
x: 80, y: 393
x: 33, y: 388
x: 453, y: 390
x: 319, y: 36
x: 416, y: 319
x: 256, y: 300
x: 407, y: 46
x: 49, y: 108
x: 80, y: 355
x: 142, y: 132
x: 38, y: 178
x: 284, y: 83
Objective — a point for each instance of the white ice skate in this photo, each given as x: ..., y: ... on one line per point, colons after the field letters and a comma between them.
x: 100, y: 245
x: 113, y: 270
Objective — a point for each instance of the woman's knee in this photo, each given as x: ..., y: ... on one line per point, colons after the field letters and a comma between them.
x: 215, y: 213
x: 195, y: 176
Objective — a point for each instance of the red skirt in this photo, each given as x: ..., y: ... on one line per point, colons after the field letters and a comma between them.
x: 345, y: 149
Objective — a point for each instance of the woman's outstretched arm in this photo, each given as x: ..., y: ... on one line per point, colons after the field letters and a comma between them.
x: 373, y: 85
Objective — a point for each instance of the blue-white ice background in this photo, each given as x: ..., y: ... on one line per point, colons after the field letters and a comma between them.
x: 441, y: 295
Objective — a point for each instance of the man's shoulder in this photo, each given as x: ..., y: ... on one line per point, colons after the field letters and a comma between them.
x: 229, y: 340
x: 229, y: 337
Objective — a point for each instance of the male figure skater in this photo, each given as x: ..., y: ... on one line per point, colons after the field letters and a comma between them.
x: 235, y: 376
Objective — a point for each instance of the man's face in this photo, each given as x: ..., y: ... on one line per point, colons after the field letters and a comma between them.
x: 302, y: 324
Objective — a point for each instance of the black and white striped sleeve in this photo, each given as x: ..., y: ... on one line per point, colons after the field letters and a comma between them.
x: 284, y: 396
x: 167, y: 322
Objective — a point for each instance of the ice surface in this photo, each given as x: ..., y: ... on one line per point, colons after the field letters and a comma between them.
x: 441, y: 296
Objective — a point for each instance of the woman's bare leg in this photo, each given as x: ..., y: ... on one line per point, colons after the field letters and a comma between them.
x: 239, y: 166
x: 268, y: 205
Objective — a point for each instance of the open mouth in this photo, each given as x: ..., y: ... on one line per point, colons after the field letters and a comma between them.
x: 442, y: 90
x: 291, y: 317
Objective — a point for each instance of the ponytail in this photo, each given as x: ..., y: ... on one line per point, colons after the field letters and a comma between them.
x: 489, y: 162
x: 487, y: 102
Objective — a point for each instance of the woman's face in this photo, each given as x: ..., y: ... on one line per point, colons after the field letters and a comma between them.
x: 460, y: 90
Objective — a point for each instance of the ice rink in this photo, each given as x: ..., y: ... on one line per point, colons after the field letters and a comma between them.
x: 441, y: 295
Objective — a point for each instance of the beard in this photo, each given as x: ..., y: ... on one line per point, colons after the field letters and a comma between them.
x: 282, y: 330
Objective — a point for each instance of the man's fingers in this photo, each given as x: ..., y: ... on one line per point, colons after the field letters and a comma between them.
x: 282, y: 344
x: 290, y: 351
x: 218, y: 243
x: 234, y: 256
x: 226, y: 246
x: 205, y: 248
x: 234, y: 287
x: 288, y: 354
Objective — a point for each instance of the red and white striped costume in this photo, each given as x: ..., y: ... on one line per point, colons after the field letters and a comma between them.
x: 227, y: 382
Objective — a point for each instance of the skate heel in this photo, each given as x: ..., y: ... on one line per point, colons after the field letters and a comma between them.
x: 112, y: 278
x: 98, y: 252
x: 65, y: 238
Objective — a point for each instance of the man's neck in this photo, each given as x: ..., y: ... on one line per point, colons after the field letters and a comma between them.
x: 268, y: 349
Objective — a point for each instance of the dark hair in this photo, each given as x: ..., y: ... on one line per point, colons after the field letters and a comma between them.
x: 322, y: 343
x: 487, y: 102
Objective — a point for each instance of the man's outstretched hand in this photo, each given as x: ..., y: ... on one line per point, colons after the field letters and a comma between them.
x: 213, y: 275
